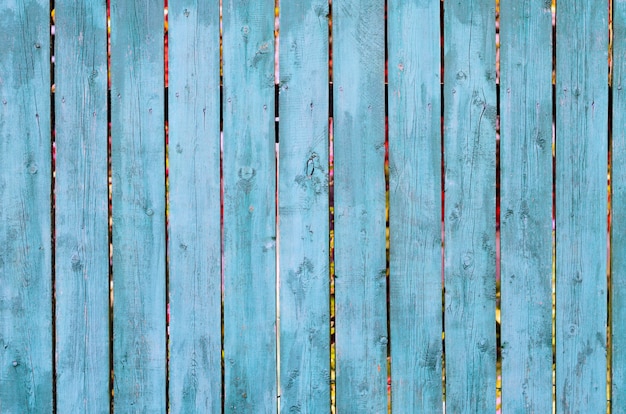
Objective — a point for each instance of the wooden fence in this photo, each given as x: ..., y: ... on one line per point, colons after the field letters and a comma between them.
x: 156, y: 254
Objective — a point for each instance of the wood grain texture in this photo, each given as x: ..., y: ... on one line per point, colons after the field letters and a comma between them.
x: 581, y: 205
x: 470, y: 199
x: 81, y: 224
x: 618, y: 211
x: 415, y: 205
x: 360, y: 258
x: 25, y: 201
x: 249, y: 168
x: 194, y: 207
x: 526, y: 205
x: 303, y: 208
x: 138, y: 170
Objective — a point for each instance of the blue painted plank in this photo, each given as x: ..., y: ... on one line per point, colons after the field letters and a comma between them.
x: 194, y: 207
x: 618, y: 213
x: 303, y: 208
x: 25, y: 201
x: 415, y: 205
x: 360, y: 257
x: 581, y: 205
x: 138, y: 172
x: 249, y: 170
x: 526, y: 205
x: 470, y: 200
x: 81, y: 224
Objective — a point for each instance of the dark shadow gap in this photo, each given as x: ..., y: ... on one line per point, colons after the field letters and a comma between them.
x: 609, y: 279
x: 443, y: 201
x: 388, y: 212
x: 53, y: 210
x: 331, y: 213
x: 221, y: 74
x: 554, y: 405
x: 110, y: 211
x: 498, y: 292
x: 166, y: 163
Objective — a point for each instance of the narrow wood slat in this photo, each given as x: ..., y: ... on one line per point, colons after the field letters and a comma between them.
x: 194, y: 207
x: 526, y: 205
x: 138, y: 170
x: 25, y: 201
x: 618, y: 213
x: 415, y: 205
x: 360, y: 258
x: 470, y: 193
x: 303, y: 208
x: 249, y: 168
x: 81, y: 225
x: 581, y: 205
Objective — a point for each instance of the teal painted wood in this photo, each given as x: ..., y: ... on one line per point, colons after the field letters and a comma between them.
x: 581, y: 205
x: 359, y: 174
x: 303, y: 208
x: 526, y: 205
x: 470, y: 195
x: 138, y: 172
x: 194, y: 207
x: 249, y: 170
x: 81, y: 224
x: 415, y: 205
x: 25, y: 200
x: 618, y: 213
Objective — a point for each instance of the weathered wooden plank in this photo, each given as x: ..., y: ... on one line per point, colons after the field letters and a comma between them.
x: 194, y: 207
x: 581, y: 205
x: 526, y: 205
x: 303, y: 208
x: 415, y: 205
x: 138, y: 170
x: 618, y: 213
x: 360, y: 258
x: 470, y: 159
x: 81, y: 224
x: 249, y: 170
x: 25, y: 202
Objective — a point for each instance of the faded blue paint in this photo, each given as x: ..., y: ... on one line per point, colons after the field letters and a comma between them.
x: 25, y: 201
x: 526, y: 205
x: 581, y: 205
x: 303, y: 208
x: 470, y: 201
x: 415, y: 205
x: 249, y: 168
x: 138, y: 172
x: 359, y: 177
x: 81, y: 224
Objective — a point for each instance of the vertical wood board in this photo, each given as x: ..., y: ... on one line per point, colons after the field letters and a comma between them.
x: 303, y: 208
x: 249, y: 168
x: 415, y: 205
x: 25, y: 205
x: 138, y: 170
x: 194, y: 207
x: 470, y: 200
x: 359, y: 174
x: 81, y: 225
x: 526, y: 205
x: 581, y: 205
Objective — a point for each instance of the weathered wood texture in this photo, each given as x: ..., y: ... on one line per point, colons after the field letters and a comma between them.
x: 415, y: 205
x: 526, y: 205
x: 138, y: 172
x: 249, y: 207
x: 359, y: 174
x: 194, y: 207
x: 303, y: 208
x: 25, y: 201
x: 618, y: 211
x: 581, y: 205
x: 81, y: 200
x: 470, y: 219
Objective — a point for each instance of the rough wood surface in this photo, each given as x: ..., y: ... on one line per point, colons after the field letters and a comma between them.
x: 470, y: 201
x: 249, y: 207
x: 25, y: 204
x: 138, y: 172
x: 415, y: 205
x: 82, y: 236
